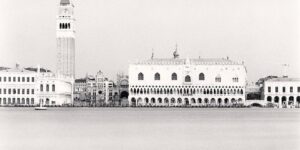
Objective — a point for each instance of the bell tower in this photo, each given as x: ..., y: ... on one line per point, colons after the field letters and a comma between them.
x: 65, y: 39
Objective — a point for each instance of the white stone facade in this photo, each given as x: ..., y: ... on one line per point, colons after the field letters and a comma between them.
x: 193, y: 82
x: 19, y: 86
x: 284, y: 92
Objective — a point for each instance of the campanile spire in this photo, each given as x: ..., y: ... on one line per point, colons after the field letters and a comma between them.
x: 65, y: 39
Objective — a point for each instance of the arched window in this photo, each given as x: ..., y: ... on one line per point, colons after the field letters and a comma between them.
x: 157, y: 76
x: 140, y: 76
x: 187, y: 78
x: 174, y: 76
x: 201, y: 76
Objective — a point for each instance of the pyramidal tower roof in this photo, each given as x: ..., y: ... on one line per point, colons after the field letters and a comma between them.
x: 64, y: 2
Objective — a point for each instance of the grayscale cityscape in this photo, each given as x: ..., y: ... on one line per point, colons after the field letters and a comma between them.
x: 140, y: 74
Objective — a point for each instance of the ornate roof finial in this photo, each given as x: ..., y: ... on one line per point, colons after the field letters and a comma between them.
x: 152, y: 55
x: 175, y: 53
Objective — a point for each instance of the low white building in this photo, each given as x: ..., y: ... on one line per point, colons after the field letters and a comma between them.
x: 284, y: 91
x: 30, y: 86
x: 195, y: 82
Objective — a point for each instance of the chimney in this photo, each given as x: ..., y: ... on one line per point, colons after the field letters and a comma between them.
x: 285, y: 69
x: 38, y: 69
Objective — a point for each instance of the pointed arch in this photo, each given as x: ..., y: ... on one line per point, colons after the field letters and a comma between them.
x: 201, y: 76
x: 174, y: 76
x: 157, y: 76
x: 140, y: 76
x: 187, y: 78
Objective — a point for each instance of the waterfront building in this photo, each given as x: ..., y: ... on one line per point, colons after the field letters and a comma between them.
x: 95, y: 90
x: 122, y: 93
x: 105, y: 88
x: 32, y: 86
x: 282, y: 91
x: 193, y: 82
x: 65, y: 37
x: 253, y: 92
x: 85, y: 90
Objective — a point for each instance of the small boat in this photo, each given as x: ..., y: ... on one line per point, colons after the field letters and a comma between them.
x: 41, y: 107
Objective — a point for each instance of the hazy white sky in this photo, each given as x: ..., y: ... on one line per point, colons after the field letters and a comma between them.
x: 112, y: 33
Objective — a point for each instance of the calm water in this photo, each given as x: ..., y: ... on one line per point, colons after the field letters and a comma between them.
x: 149, y: 129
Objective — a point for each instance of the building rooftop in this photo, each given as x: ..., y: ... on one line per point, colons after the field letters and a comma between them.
x: 17, y: 68
x: 283, y: 79
x: 199, y: 61
x: 35, y: 69
x: 3, y: 68
x: 82, y: 80
x: 65, y: 2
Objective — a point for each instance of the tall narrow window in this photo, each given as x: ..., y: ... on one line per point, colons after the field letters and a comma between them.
x: 140, y: 76
x: 283, y: 89
x: 174, y: 76
x: 269, y: 89
x: 201, y: 76
x: 32, y: 79
x: 157, y: 76
x: 32, y: 101
x: 187, y: 78
x: 276, y: 89
x: 41, y: 88
x: 47, y: 87
x: 235, y: 79
x: 218, y: 79
x: 53, y: 88
x: 291, y: 89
